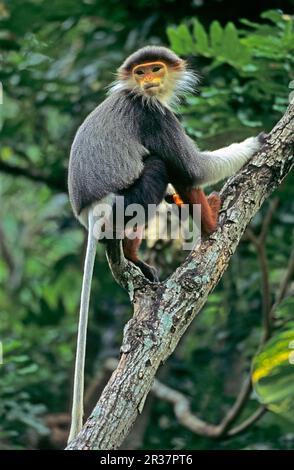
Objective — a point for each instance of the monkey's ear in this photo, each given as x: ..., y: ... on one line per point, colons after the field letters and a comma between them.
x: 123, y: 74
x: 179, y: 64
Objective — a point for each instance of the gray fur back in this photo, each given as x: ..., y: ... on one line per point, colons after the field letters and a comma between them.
x: 106, y: 154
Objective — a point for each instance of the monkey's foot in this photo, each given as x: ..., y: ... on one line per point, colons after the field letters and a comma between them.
x: 215, y: 203
x: 149, y: 271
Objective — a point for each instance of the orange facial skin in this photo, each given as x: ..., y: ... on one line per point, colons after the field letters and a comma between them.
x: 150, y: 76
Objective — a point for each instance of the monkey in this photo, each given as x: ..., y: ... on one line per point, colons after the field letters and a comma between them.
x: 133, y: 145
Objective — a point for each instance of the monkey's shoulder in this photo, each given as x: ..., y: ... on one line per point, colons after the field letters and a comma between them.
x: 112, y: 126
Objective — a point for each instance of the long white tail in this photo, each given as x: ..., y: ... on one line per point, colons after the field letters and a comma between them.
x: 78, y: 390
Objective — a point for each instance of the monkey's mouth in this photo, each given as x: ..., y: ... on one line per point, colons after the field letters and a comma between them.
x: 148, y: 86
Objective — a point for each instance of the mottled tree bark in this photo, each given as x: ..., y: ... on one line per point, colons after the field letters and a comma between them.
x: 163, y: 311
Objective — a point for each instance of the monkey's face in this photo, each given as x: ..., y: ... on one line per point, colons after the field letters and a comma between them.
x: 151, y: 77
x: 157, y: 74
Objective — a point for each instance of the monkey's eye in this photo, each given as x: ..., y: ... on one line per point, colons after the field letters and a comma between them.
x: 156, y: 69
x: 139, y: 72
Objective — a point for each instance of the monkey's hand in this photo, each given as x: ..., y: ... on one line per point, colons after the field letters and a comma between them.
x: 262, y: 137
x: 251, y: 145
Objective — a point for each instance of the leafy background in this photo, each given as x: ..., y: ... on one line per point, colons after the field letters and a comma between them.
x: 57, y: 57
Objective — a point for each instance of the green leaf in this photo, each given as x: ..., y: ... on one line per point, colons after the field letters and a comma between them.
x: 249, y: 23
x: 231, y: 42
x: 273, y: 15
x: 186, y: 39
x: 201, y: 38
x: 175, y: 40
x: 216, y: 37
x: 273, y: 374
x: 237, y: 53
x: 33, y: 152
x: 31, y: 369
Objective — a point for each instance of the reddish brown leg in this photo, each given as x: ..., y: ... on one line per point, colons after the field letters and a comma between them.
x: 210, y: 207
x: 131, y: 247
x: 215, y: 204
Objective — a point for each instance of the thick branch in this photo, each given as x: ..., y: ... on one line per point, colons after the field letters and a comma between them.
x: 163, y: 311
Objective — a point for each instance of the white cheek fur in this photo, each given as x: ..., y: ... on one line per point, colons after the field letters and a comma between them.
x: 181, y: 83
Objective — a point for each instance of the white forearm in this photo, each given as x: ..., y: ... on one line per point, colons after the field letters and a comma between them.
x: 226, y: 161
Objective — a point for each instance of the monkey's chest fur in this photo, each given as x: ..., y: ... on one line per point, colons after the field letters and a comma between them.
x: 110, y: 147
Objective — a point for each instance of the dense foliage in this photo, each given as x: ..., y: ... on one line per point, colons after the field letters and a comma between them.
x: 56, y: 60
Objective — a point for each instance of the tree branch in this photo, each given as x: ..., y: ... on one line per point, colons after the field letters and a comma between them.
x: 188, y: 419
x: 196, y: 425
x: 163, y: 311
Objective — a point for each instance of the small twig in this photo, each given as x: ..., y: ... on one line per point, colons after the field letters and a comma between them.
x: 266, y: 294
x: 182, y: 410
x: 268, y: 310
x: 237, y: 407
x: 259, y: 242
x: 7, y: 256
x: 268, y: 218
x: 282, y: 290
x: 190, y: 421
x: 15, y: 271
x: 247, y: 422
